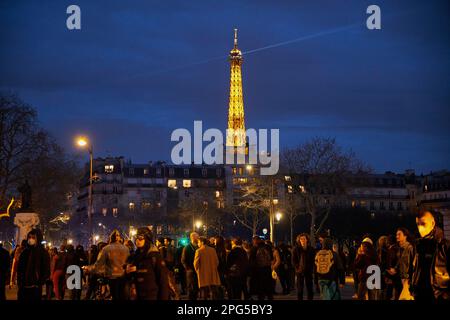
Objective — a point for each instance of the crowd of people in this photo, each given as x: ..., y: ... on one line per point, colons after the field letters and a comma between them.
x: 218, y: 268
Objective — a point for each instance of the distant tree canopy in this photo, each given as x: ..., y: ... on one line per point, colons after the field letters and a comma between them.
x: 321, y: 168
x: 28, y: 152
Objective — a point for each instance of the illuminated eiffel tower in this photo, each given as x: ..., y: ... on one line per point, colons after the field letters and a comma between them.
x: 236, y: 122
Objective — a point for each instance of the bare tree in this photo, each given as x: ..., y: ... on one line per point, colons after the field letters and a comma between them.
x: 201, y: 204
x: 29, y: 152
x: 253, y: 206
x: 320, y: 169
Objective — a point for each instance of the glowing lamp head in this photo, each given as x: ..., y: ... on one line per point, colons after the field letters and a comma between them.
x: 278, y: 216
x: 198, y: 224
x: 82, y: 142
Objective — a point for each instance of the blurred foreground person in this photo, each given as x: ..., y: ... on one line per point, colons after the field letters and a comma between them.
x: 430, y: 278
x: 33, y: 268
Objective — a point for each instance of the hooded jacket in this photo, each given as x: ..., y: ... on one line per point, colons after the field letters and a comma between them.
x: 34, y: 264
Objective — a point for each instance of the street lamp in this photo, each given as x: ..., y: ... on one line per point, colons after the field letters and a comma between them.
x: 198, y: 224
x: 83, y: 142
x: 278, y: 216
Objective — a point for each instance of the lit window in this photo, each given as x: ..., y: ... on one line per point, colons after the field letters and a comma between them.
x: 186, y: 183
x: 172, y: 184
x: 146, y: 205
x: 109, y: 168
x: 275, y: 201
x: 217, y: 193
x: 158, y: 204
x: 115, y: 211
x: 104, y: 211
x: 234, y: 170
x: 302, y: 189
x: 241, y: 171
x: 131, y: 206
x: 145, y: 171
x: 290, y: 189
x: 287, y: 178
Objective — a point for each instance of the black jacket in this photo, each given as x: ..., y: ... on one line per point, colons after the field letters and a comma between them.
x: 188, y: 255
x: 303, y: 259
x: 237, y: 263
x: 436, y: 248
x: 34, y: 267
x: 151, y: 277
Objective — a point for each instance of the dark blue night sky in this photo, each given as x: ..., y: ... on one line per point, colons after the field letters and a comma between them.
x: 139, y: 69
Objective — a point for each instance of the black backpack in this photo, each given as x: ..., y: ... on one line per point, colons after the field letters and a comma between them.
x: 263, y: 257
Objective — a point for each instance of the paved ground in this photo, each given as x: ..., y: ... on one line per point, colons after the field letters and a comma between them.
x: 346, y: 293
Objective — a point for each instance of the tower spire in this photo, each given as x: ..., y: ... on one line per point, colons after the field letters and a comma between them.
x: 236, y: 123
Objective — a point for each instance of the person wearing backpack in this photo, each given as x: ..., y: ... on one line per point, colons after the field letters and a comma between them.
x: 284, y: 267
x: 236, y: 270
x: 303, y: 256
x: 261, y: 258
x: 147, y: 270
x: 329, y: 272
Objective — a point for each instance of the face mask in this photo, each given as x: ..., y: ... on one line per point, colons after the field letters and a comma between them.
x: 32, y: 242
x: 423, y: 231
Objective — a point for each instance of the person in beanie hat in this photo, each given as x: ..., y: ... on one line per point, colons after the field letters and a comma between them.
x: 33, y: 268
x: 112, y: 260
x: 147, y: 270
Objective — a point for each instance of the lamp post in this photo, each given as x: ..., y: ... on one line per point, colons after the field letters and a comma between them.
x: 83, y: 142
x: 271, y: 217
x: 278, y: 217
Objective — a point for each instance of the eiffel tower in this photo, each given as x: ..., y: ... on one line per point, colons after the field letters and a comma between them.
x: 236, y: 123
